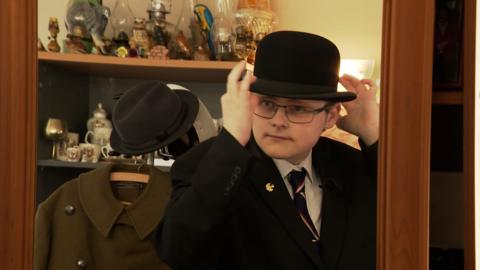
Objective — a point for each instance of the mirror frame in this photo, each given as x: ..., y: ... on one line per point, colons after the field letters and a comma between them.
x: 18, y: 125
x: 404, y: 156
x: 469, y: 98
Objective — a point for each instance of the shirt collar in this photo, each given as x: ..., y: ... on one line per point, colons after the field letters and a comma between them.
x: 285, y: 167
x: 104, y: 210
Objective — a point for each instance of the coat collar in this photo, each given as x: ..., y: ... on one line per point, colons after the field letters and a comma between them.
x: 104, y: 210
x: 265, y: 172
x: 285, y: 167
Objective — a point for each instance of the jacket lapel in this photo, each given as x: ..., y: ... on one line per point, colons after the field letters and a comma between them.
x: 334, y: 211
x: 269, y: 184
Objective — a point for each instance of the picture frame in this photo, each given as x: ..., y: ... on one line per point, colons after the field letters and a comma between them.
x: 448, y: 45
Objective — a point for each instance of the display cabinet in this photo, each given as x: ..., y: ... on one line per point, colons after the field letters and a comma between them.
x: 452, y: 187
x: 71, y: 85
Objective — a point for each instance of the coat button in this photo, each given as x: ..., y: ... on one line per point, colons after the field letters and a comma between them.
x: 82, y: 264
x: 69, y: 210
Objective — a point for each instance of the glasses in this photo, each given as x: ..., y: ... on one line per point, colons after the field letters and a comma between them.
x: 295, y: 114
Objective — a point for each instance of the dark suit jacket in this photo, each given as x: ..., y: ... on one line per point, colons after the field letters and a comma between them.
x: 222, y: 215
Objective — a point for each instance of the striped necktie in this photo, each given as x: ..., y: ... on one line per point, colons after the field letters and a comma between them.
x: 297, y: 181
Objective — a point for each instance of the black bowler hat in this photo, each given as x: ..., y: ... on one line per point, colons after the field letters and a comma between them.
x: 150, y: 116
x: 298, y: 65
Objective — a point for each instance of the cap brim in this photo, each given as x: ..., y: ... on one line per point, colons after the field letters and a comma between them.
x: 190, y: 102
x: 300, y: 91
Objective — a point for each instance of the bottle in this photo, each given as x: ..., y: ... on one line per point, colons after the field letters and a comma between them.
x: 223, y: 33
x: 203, y: 25
x: 122, y: 22
x: 180, y: 46
x: 254, y: 20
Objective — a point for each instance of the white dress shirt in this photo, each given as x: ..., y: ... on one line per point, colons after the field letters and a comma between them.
x: 313, y: 190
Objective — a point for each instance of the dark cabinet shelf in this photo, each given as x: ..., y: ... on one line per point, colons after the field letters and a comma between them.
x: 66, y: 164
x: 79, y: 165
x: 447, y: 98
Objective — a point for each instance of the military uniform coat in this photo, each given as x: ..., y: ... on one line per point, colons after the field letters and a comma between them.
x: 83, y: 226
x: 230, y: 209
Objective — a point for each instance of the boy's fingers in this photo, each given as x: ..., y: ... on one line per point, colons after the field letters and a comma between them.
x: 245, y: 84
x: 349, y: 82
x: 234, y: 76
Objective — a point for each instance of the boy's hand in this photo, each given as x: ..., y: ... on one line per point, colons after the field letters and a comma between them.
x: 363, y: 112
x: 238, y: 104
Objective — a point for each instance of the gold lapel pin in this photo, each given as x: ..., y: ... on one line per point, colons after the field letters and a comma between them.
x: 269, y: 187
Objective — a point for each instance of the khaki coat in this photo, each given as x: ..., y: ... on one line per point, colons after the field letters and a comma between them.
x: 82, y: 225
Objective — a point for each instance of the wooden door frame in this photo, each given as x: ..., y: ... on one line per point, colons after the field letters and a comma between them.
x: 469, y: 97
x: 404, y: 156
x: 18, y: 131
x: 404, y: 167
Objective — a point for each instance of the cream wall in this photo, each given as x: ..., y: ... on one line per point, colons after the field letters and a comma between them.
x: 354, y: 25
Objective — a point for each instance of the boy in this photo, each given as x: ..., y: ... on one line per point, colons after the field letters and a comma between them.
x: 268, y: 192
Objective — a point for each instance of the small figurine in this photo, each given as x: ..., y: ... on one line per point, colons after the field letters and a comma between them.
x: 201, y: 54
x: 108, y: 45
x: 40, y: 46
x: 54, y: 30
x: 133, y: 52
x: 121, y: 41
x: 179, y: 47
x: 140, y: 39
x: 157, y: 27
x: 73, y: 43
x: 199, y: 42
x: 160, y: 36
x: 204, y: 18
x: 158, y: 52
x: 122, y: 52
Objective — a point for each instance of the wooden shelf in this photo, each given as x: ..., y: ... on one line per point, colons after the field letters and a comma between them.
x: 167, y: 70
x: 447, y: 98
x: 79, y: 165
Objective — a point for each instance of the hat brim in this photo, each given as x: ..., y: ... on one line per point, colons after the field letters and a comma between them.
x: 190, y: 102
x: 300, y: 91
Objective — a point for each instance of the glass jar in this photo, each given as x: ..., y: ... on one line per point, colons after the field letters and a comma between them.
x: 244, y: 42
x: 122, y: 21
x: 78, y: 12
x: 223, y: 33
x: 86, y: 20
x: 180, y: 46
x: 253, y: 20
